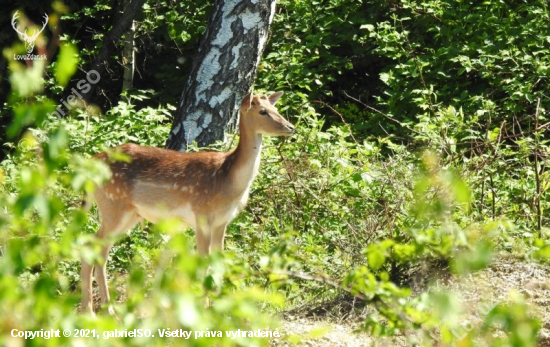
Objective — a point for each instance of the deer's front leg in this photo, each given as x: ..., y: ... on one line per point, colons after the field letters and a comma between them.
x: 101, y: 275
x: 87, y: 304
x: 218, y: 234
x: 203, y: 235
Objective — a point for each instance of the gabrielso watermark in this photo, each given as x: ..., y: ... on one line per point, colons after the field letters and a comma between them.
x: 29, y: 40
x: 73, y: 100
x: 490, y: 303
x: 141, y: 333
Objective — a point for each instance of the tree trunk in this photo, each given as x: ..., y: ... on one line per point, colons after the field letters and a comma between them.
x: 128, y: 55
x: 222, y: 72
x: 109, y: 44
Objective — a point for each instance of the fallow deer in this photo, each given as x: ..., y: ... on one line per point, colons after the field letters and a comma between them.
x: 205, y: 190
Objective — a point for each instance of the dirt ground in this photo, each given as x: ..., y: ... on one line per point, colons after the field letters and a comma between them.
x: 499, y: 282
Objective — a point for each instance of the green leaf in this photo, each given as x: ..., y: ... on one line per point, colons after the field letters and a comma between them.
x: 375, y: 258
x: 385, y: 77
x: 26, y: 81
x: 66, y: 63
x: 369, y: 27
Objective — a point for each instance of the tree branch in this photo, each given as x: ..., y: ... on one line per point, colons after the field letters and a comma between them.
x: 123, y: 24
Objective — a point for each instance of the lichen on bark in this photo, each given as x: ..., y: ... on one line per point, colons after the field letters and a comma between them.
x: 222, y: 73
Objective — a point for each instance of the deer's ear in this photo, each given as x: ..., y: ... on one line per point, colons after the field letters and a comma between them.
x: 274, y: 97
x: 247, y: 101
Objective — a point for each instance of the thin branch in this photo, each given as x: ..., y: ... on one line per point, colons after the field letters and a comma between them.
x: 340, y: 115
x: 537, y: 176
x: 122, y: 25
x: 382, y: 113
x: 325, y: 279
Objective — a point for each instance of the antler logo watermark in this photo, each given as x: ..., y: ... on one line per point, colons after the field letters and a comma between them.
x: 29, y: 40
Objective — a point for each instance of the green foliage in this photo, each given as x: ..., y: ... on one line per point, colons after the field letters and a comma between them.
x: 166, y: 36
x: 66, y: 65
x: 316, y: 46
x: 41, y: 241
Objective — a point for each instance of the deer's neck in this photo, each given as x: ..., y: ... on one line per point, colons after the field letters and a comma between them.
x: 245, y: 160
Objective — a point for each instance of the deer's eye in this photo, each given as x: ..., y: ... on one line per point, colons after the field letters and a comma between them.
x: 263, y: 112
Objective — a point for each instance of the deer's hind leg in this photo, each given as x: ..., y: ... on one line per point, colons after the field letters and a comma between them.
x: 115, y: 220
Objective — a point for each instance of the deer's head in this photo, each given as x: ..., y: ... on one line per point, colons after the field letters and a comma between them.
x: 259, y: 113
x: 29, y: 40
